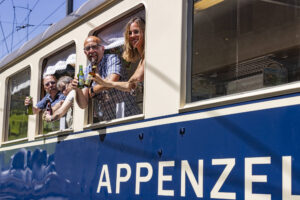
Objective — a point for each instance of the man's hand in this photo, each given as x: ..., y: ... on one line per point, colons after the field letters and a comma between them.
x: 47, y: 117
x: 45, y: 113
x: 74, y: 84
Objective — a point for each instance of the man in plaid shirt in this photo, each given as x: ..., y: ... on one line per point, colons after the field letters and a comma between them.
x: 108, y: 103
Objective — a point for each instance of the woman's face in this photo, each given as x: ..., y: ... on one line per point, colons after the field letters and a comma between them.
x: 136, y: 36
x: 65, y: 88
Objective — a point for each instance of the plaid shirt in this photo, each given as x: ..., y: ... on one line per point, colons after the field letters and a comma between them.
x: 112, y: 103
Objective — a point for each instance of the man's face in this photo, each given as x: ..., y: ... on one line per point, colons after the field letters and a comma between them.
x: 50, y: 84
x: 93, y: 51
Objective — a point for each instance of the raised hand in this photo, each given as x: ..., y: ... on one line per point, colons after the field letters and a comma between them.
x: 74, y: 83
x: 28, y: 101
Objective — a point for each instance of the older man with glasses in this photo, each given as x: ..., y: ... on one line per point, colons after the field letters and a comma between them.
x: 53, y: 95
x: 108, y: 103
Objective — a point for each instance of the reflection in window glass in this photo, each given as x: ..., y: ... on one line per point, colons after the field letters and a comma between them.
x: 18, y: 89
x: 241, y: 45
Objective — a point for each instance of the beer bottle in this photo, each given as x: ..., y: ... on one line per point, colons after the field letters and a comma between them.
x: 94, y: 66
x: 80, y: 77
x: 49, y: 108
x: 89, y: 81
x: 29, y: 107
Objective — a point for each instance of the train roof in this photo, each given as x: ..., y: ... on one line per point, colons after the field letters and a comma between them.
x: 82, y: 11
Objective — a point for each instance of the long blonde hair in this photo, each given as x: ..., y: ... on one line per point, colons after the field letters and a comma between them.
x: 131, y: 54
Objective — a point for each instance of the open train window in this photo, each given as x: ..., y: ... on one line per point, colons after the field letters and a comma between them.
x: 240, y: 45
x: 61, y: 65
x: 113, y: 103
x: 18, y: 89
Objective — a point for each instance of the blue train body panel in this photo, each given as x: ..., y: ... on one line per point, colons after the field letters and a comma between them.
x: 107, y: 166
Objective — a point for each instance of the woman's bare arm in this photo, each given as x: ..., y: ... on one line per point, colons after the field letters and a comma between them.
x: 61, y: 111
x: 138, y: 76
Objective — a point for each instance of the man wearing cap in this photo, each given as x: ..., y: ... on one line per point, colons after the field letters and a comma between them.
x: 53, y: 95
x: 108, y: 104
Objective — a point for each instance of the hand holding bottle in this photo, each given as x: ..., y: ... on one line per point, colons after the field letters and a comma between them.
x: 91, y: 74
x: 47, y: 117
x: 28, y: 101
x: 74, y: 83
x: 28, y: 104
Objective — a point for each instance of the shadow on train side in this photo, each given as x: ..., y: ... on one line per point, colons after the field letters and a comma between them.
x: 34, y: 176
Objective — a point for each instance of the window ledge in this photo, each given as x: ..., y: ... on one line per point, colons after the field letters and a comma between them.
x: 13, y: 142
x: 54, y: 133
x: 114, y: 122
x: 243, y: 97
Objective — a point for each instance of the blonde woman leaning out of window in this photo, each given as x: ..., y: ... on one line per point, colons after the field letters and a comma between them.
x: 63, y: 85
x: 133, y: 51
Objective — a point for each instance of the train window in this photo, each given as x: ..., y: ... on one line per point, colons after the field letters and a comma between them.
x: 240, y: 45
x: 115, y: 103
x: 61, y: 65
x: 18, y: 89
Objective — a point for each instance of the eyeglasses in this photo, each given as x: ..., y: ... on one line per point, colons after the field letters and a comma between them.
x: 94, y: 47
x: 50, y: 82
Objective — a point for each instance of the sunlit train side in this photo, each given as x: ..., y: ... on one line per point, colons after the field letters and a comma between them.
x: 219, y: 105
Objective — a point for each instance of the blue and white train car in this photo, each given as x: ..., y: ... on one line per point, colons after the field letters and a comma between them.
x: 220, y: 107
